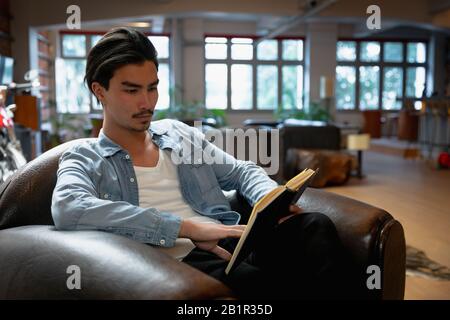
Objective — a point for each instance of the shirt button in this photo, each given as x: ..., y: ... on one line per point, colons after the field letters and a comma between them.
x: 162, y: 242
x: 131, y: 179
x: 127, y: 157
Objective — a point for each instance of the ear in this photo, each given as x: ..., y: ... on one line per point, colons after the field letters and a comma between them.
x: 99, y: 91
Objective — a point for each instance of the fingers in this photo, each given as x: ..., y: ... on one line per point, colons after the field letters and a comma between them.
x: 295, y: 208
x: 285, y: 218
x: 236, y: 227
x: 213, y: 232
x: 235, y: 231
x: 221, y: 252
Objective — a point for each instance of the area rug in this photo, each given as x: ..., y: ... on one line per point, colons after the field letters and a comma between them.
x: 419, y: 265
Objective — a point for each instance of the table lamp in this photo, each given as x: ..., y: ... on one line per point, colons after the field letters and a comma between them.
x: 358, y: 142
x: 327, y: 94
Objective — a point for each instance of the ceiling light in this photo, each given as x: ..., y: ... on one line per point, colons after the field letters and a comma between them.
x: 139, y: 24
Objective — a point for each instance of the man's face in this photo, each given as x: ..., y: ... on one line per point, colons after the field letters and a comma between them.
x: 131, y: 98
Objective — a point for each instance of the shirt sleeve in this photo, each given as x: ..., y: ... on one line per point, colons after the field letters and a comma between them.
x: 246, y: 177
x: 76, y: 206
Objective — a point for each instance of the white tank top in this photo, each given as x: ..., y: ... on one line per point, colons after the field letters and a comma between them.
x: 159, y: 188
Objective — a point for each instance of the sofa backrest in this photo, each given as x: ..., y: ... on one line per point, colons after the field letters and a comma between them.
x: 25, y: 198
x: 370, y: 235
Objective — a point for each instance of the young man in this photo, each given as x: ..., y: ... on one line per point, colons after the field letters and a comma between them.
x: 127, y: 183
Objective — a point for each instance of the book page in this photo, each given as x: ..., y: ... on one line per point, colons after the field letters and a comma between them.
x: 268, y: 198
x: 296, y: 182
x: 259, y: 206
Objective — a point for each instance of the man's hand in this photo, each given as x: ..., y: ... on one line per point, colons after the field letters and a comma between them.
x: 206, y: 235
x: 294, y: 209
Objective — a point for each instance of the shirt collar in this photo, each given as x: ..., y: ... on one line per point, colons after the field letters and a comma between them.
x: 109, y: 148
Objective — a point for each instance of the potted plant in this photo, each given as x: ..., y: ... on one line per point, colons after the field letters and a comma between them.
x: 189, y: 112
x: 315, y: 112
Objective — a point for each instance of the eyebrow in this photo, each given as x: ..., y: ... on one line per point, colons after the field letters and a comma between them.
x: 135, y: 85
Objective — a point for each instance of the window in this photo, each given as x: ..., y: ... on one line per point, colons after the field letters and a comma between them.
x: 415, y: 81
x: 292, y: 50
x: 73, y: 96
x: 241, y: 86
x: 369, y: 87
x: 268, y: 50
x: 267, y: 86
x: 370, y: 51
x: 240, y: 75
x: 393, y: 52
x: 216, y: 48
x: 372, y: 75
x: 74, y: 46
x: 346, y: 51
x: 216, y: 83
x: 162, y: 46
x: 345, y: 90
x: 392, y: 87
x: 416, y: 52
x: 292, y: 86
x: 241, y: 49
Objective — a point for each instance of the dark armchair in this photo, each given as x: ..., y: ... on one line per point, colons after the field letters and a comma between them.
x: 34, y: 257
x: 297, y: 134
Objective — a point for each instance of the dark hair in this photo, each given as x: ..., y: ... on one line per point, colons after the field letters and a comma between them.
x: 118, y: 47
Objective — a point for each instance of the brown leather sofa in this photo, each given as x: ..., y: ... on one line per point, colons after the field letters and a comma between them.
x: 297, y: 134
x: 34, y: 257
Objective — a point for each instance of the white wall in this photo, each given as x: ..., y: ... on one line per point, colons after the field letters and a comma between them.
x: 320, y: 57
x: 193, y: 60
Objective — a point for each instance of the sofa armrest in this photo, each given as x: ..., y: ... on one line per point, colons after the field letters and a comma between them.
x: 34, y: 262
x: 370, y: 235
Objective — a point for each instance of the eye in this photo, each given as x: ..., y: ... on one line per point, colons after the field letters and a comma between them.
x: 131, y: 91
x: 153, y: 89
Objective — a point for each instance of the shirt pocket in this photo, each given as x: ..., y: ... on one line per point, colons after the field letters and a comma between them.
x: 109, y: 189
x: 108, y: 195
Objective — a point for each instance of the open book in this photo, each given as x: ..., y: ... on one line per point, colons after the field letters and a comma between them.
x: 266, y: 213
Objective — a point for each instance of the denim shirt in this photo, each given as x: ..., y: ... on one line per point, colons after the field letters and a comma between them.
x: 97, y: 189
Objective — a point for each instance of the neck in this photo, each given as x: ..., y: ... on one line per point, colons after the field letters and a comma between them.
x: 133, y: 141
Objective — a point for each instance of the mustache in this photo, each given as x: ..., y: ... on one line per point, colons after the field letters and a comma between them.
x: 143, y: 113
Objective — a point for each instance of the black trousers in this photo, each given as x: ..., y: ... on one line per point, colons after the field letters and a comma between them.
x: 303, y: 258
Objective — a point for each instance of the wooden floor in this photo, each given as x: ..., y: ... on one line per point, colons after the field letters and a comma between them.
x: 418, y: 196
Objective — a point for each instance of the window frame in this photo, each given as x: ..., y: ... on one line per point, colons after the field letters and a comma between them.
x: 404, y: 65
x: 254, y: 62
x: 88, y: 43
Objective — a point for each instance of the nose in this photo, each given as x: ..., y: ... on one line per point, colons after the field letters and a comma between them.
x: 148, y: 100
